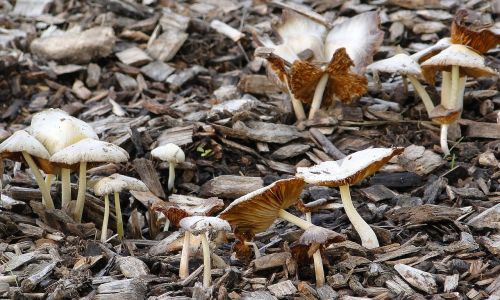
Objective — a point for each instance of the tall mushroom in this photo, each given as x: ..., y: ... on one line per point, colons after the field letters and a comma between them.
x: 87, y: 151
x: 21, y: 146
x: 348, y: 171
x: 173, y: 154
x: 198, y: 225
x: 104, y: 187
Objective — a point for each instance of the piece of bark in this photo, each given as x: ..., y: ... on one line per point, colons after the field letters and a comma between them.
x: 180, y: 136
x: 226, y: 30
x: 257, y: 84
x: 80, y: 90
x: 128, y: 8
x: 173, y: 21
x: 377, y: 193
x: 31, y: 8
x: 489, y: 218
x: 126, y: 82
x: 122, y: 289
x: 179, y: 78
x: 326, y: 144
x: 230, y: 186
x: 165, y: 245
x: 166, y: 45
x: 93, y: 75
x: 235, y: 106
x: 149, y: 176
x: 257, y: 295
x: 326, y: 292
x: 451, y: 283
x: 419, y: 160
x: 282, y: 289
x: 157, y: 70
x: 399, y: 286
x: 433, y: 190
x: 18, y: 261
x: 290, y: 151
x: 133, y: 56
x: 423, y: 214
x: 132, y: 267
x: 402, y: 251
x: 262, y: 132
x: 30, y: 283
x: 491, y: 243
x: 482, y: 129
x: 396, y: 180
x: 271, y: 261
x: 421, y: 280
x: 78, y: 48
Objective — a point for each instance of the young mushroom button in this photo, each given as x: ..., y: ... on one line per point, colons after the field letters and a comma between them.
x: 173, y: 154
x: 348, y: 171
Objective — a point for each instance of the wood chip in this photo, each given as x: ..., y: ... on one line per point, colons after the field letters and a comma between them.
x: 230, y: 186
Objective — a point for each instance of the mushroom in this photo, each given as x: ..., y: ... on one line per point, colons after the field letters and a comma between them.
x: 21, y: 146
x: 348, y: 171
x: 174, y: 155
x: 312, y: 241
x: 407, y: 67
x: 481, y: 39
x: 132, y: 184
x: 104, y: 187
x: 83, y: 152
x: 256, y: 211
x: 56, y: 130
x: 199, y: 225
x: 460, y: 61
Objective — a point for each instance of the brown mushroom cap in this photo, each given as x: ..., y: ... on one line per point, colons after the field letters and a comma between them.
x: 442, y: 115
x: 349, y: 170
x: 314, y: 238
x: 480, y: 40
x: 171, y: 212
x: 256, y: 211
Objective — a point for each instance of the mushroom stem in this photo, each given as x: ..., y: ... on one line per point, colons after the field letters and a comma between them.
x: 119, y: 219
x: 48, y: 183
x: 298, y: 108
x: 445, y: 90
x: 318, y: 96
x: 104, y: 230
x: 293, y: 219
x: 318, y: 269
x: 366, y: 233
x: 171, y: 176
x: 255, y: 248
x: 82, y: 186
x: 184, y: 264
x: 66, y: 187
x: 405, y: 86
x: 167, y: 225
x: 426, y: 99
x: 207, y: 276
x: 459, y: 102
x: 308, y: 217
x: 39, y: 180
x: 444, y: 139
x: 455, y: 78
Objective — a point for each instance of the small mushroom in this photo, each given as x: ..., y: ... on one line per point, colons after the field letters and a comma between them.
x: 104, y: 187
x: 21, y: 146
x: 173, y: 154
x: 78, y: 155
x: 348, y: 171
x: 310, y: 244
x: 407, y: 67
x: 198, y: 225
x: 132, y: 184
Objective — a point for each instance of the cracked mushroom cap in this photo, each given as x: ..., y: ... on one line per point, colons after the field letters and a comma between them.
x: 471, y: 63
x: 314, y: 238
x: 442, y: 115
x: 21, y: 141
x: 90, y: 151
x: 200, y: 224
x: 399, y: 63
x: 169, y: 152
x: 256, y: 211
x: 133, y: 184
x: 108, y: 185
x: 349, y: 170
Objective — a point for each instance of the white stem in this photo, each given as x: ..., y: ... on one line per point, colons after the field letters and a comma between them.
x: 444, y: 139
x: 459, y: 104
x: 445, y: 90
x: 318, y: 269
x: 39, y: 180
x: 298, y: 108
x: 167, y: 224
x: 426, y: 99
x: 184, y: 265
x: 171, y: 176
x: 455, y: 78
x: 368, y: 238
x: 105, y: 219
x: 308, y: 217
x: 82, y: 187
x: 207, y: 274
x: 255, y: 248
x: 66, y: 187
x: 318, y: 96
x: 119, y: 218
x: 48, y: 183
x: 293, y: 219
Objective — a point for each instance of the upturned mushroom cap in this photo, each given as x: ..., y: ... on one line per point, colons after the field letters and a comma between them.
x: 22, y: 141
x: 399, y: 63
x: 429, y: 52
x: 360, y: 36
x: 169, y: 152
x: 173, y: 213
x: 481, y: 39
x: 56, y: 130
x: 442, y: 115
x: 199, y: 224
x: 471, y: 63
x: 311, y: 206
x: 109, y: 185
x: 91, y: 151
x: 349, y: 170
x: 133, y: 184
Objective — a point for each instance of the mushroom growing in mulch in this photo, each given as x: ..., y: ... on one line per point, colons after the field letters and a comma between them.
x: 104, y: 187
x: 348, y: 171
x: 173, y: 154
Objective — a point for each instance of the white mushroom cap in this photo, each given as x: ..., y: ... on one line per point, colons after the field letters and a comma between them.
x: 169, y: 152
x: 319, y: 235
x: 360, y: 36
x: 133, y: 184
x: 460, y: 55
x: 90, y: 150
x: 22, y: 141
x: 424, y: 54
x: 401, y: 63
x: 109, y: 185
x: 200, y: 224
x: 349, y: 170
x: 56, y: 130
